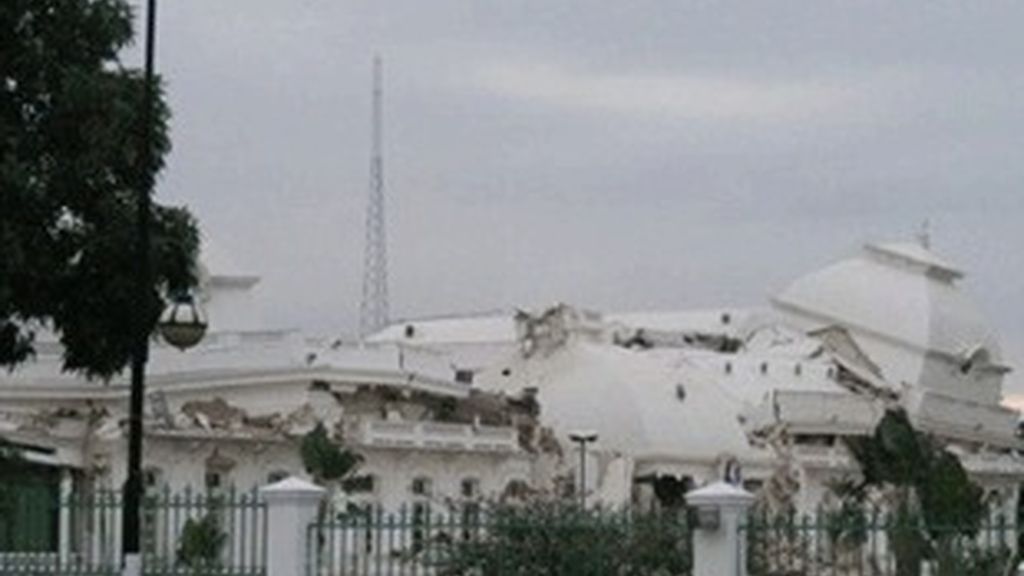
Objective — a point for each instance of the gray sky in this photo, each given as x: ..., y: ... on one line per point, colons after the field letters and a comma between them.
x: 629, y: 155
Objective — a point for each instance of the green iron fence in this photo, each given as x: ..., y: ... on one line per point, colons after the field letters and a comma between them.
x: 189, y: 533
x: 197, y: 533
x: 876, y: 543
x: 50, y: 535
x: 536, y: 540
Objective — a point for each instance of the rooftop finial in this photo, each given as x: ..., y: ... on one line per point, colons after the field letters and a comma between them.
x: 924, y: 234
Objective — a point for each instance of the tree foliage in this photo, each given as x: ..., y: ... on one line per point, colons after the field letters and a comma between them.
x: 70, y: 175
x: 325, y: 460
x: 899, y: 457
x: 558, y: 538
x: 201, y: 543
x: 936, y: 509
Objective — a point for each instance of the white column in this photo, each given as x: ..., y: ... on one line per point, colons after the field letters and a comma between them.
x: 132, y: 565
x: 64, y: 516
x: 718, y: 546
x: 291, y: 507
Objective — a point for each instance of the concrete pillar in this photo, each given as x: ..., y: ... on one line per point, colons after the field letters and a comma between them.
x: 64, y: 515
x: 132, y: 565
x: 719, y: 549
x: 292, y: 506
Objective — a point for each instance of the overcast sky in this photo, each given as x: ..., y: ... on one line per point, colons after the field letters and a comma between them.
x: 618, y: 155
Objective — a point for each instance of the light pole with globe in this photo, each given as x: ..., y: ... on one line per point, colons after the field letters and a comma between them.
x: 583, y: 437
x: 181, y: 324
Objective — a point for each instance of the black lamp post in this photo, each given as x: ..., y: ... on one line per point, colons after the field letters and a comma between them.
x: 182, y: 325
x: 583, y: 437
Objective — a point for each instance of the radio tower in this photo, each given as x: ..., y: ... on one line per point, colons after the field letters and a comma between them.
x: 373, y: 311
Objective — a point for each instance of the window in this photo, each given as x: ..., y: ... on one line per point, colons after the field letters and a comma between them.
x: 420, y: 517
x: 151, y: 481
x: 151, y: 478
x: 470, y: 488
x: 995, y: 502
x: 364, y: 484
x: 421, y: 486
x: 752, y: 486
x: 470, y: 521
x: 218, y: 469
x: 213, y: 480
x: 277, y: 476
x: 977, y: 358
x: 519, y: 489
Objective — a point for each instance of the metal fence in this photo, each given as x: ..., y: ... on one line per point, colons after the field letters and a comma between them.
x: 473, y: 539
x: 877, y: 543
x: 189, y: 533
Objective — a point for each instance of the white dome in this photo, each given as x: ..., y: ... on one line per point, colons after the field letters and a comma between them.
x: 902, y: 294
x: 641, y: 404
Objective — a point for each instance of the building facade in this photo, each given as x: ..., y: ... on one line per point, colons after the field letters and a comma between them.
x: 471, y: 408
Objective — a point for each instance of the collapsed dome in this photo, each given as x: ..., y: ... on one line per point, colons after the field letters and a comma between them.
x: 903, y: 306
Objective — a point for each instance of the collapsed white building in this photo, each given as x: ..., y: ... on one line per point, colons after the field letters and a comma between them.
x: 685, y: 395
x: 481, y: 407
x: 232, y: 412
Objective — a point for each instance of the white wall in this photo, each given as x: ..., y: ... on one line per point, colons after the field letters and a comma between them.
x: 183, y: 463
x: 396, y: 469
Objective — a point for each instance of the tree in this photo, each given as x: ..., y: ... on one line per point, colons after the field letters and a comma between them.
x: 70, y: 171
x: 937, y: 509
x: 201, y: 543
x: 326, y: 461
x: 557, y: 537
x: 329, y: 464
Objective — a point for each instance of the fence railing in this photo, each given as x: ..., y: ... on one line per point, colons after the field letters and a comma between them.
x: 878, y: 544
x: 473, y: 539
x: 189, y: 533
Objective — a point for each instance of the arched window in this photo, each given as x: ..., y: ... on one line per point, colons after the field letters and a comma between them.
x: 469, y: 488
x: 152, y: 479
x: 277, y: 476
x: 517, y: 489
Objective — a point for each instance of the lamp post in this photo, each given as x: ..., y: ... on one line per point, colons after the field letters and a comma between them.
x: 182, y: 325
x: 171, y: 323
x: 583, y: 437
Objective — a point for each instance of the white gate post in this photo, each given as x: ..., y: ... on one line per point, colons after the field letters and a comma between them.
x: 718, y: 547
x: 292, y: 506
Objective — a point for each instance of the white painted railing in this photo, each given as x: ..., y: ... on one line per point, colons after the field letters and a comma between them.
x: 438, y: 436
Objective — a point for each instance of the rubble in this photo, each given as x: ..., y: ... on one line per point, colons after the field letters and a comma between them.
x: 214, y: 414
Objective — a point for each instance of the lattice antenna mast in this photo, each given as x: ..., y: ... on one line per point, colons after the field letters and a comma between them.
x: 373, y: 311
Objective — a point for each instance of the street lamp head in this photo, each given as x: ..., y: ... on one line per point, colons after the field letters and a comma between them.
x: 583, y: 436
x: 182, y: 323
